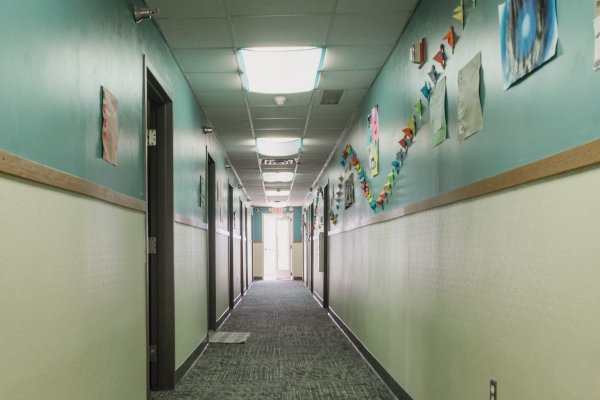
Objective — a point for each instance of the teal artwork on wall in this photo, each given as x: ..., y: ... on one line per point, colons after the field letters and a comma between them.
x: 528, y: 37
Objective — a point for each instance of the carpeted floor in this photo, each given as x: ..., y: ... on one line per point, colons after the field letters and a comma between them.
x: 294, y: 352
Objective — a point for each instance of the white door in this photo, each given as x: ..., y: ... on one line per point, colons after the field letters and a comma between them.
x: 277, y: 244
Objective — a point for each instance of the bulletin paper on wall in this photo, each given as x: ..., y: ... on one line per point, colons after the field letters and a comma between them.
x: 110, y: 127
x: 528, y: 36
x: 373, y: 140
x: 597, y: 37
x: 470, y: 114
x: 438, y: 113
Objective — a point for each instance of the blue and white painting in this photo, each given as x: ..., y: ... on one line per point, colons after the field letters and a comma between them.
x: 528, y: 37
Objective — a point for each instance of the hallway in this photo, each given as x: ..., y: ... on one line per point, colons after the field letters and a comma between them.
x: 294, y: 352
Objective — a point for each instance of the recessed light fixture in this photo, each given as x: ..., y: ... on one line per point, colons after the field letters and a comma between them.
x: 281, y: 69
x: 278, y: 147
x: 270, y: 177
x: 277, y: 193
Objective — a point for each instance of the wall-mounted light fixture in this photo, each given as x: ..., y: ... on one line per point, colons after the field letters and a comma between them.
x: 207, y: 129
x: 143, y: 13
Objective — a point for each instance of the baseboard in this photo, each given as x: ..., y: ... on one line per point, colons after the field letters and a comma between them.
x: 223, y: 318
x: 191, y: 360
x: 237, y: 300
x: 257, y: 278
x: 389, y: 381
x: 298, y: 278
x: 318, y: 298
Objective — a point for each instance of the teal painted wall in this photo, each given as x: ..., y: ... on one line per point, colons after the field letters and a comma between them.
x: 550, y: 111
x: 54, y: 59
x: 257, y: 223
x: 417, y: 291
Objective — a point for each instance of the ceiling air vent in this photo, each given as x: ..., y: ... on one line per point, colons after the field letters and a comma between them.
x: 277, y: 162
x: 332, y: 97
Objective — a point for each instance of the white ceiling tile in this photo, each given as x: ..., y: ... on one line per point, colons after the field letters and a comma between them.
x: 323, y: 133
x: 206, y: 60
x: 284, y: 133
x: 279, y: 124
x: 294, y: 99
x: 226, y: 112
x: 188, y: 8
x: 211, y: 81
x: 313, y: 143
x: 280, y: 7
x: 353, y: 97
x: 329, y: 123
x: 279, y: 112
x: 207, y: 99
x: 361, y: 79
x: 196, y: 32
x: 229, y: 123
x: 280, y: 31
x: 332, y: 111
x: 362, y: 6
x: 235, y: 134
x: 356, y: 57
x: 357, y: 29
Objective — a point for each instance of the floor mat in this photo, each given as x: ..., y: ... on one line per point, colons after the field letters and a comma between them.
x: 228, y: 337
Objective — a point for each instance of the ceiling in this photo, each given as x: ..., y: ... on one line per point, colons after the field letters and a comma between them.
x: 204, y: 35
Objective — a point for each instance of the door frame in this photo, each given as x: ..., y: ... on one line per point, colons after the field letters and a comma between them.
x: 211, y: 183
x: 325, y: 249
x: 230, y: 246
x: 312, y: 246
x: 160, y: 266
x: 242, y: 225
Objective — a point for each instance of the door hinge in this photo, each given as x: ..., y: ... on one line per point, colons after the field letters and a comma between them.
x: 153, y: 353
x: 151, y: 137
x: 152, y: 245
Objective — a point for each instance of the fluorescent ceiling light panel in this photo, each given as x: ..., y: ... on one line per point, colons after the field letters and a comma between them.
x: 278, y: 147
x: 271, y: 177
x: 277, y: 193
x: 280, y: 70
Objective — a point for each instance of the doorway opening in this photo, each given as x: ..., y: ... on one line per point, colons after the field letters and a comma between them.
x: 277, y: 246
x: 212, y: 237
x: 159, y: 223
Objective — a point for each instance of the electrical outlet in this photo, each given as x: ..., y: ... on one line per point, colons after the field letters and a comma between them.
x: 493, y: 390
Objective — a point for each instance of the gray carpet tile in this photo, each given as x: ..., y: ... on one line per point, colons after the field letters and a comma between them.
x: 294, y: 352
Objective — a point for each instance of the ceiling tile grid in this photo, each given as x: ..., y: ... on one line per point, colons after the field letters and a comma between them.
x: 205, y: 36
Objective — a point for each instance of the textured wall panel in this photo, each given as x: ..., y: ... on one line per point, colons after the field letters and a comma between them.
x: 191, y: 278
x: 258, y: 260
x: 297, y: 259
x: 222, y: 272
x: 504, y: 286
x: 72, y: 296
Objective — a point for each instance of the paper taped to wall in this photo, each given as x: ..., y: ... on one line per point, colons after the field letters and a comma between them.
x: 438, y: 113
x: 470, y: 114
x: 597, y: 43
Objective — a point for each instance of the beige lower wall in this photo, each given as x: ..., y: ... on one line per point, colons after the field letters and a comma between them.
x: 503, y: 286
x: 72, y: 296
x: 191, y: 286
x: 222, y: 274
x: 258, y: 261
x: 297, y: 259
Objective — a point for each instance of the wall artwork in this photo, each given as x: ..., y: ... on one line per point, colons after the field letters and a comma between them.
x: 110, y: 127
x: 373, y: 140
x: 470, y: 113
x: 349, y: 191
x: 597, y: 37
x: 528, y: 37
x: 437, y: 113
